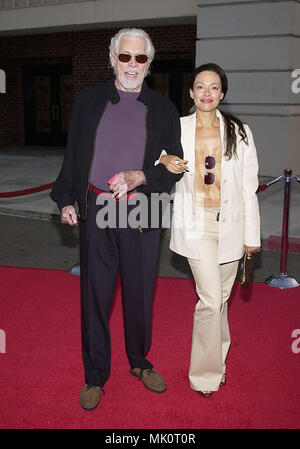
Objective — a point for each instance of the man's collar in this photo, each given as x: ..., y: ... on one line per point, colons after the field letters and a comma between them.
x: 145, y: 94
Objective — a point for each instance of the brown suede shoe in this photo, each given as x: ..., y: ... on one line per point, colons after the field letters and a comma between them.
x: 90, y: 396
x: 150, y: 378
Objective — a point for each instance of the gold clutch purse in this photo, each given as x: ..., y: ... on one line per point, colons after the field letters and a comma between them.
x: 246, y: 271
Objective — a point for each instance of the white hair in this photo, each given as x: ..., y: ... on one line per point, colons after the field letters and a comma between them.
x: 136, y: 32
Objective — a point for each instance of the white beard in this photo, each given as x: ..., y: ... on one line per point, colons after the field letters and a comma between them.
x: 128, y: 83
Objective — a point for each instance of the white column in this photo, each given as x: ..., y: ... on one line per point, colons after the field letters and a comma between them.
x: 257, y: 43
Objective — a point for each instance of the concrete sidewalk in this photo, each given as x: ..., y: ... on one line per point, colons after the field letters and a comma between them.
x: 26, y: 167
x: 31, y: 234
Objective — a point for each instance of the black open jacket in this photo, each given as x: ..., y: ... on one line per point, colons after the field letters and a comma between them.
x: 162, y: 133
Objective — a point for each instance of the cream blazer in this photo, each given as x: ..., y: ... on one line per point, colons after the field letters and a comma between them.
x: 239, y: 222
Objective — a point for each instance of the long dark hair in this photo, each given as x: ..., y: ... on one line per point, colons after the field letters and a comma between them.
x: 229, y: 119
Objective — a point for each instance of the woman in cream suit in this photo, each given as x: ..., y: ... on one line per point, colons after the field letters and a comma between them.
x: 215, y: 217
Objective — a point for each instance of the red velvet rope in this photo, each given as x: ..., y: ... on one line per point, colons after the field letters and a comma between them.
x: 261, y: 188
x: 26, y: 191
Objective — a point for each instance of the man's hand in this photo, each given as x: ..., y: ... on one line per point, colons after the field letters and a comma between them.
x: 126, y: 181
x: 68, y: 215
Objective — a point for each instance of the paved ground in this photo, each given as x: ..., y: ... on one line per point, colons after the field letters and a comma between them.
x: 31, y: 234
x: 39, y: 243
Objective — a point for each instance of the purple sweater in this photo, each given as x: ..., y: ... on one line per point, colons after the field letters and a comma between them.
x: 120, y: 139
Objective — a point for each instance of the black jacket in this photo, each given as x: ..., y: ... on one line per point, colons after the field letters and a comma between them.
x: 162, y: 131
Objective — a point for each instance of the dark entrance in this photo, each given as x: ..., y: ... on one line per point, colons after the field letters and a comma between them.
x: 171, y: 79
x: 48, y: 99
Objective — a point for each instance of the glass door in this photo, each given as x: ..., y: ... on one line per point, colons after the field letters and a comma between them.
x: 171, y: 79
x: 48, y: 101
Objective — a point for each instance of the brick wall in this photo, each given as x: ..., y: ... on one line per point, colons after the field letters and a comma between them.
x: 88, y: 52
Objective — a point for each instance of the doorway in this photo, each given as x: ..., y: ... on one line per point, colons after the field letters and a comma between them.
x: 171, y: 79
x: 48, y: 99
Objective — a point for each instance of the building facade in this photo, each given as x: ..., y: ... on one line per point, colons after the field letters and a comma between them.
x: 50, y: 49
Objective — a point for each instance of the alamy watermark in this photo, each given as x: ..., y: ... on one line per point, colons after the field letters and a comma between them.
x: 2, y: 342
x: 134, y: 212
x: 296, y: 343
x: 296, y: 83
x: 140, y: 211
x: 2, y: 82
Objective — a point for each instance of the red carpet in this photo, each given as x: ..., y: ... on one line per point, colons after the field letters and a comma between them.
x: 41, y: 371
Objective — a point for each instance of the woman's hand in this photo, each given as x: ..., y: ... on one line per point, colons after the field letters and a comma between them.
x: 174, y: 164
x: 252, y: 249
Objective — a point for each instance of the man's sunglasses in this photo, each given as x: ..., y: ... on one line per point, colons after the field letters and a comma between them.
x: 140, y: 59
x: 210, y: 162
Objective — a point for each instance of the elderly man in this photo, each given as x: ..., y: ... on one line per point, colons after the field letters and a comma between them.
x: 117, y: 132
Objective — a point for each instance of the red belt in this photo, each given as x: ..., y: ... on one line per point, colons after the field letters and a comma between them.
x: 109, y: 195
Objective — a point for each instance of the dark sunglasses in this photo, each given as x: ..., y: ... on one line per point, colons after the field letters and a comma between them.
x: 140, y: 59
x: 210, y: 162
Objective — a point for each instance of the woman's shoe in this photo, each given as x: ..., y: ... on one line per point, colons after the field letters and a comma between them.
x: 223, y: 381
x: 207, y: 394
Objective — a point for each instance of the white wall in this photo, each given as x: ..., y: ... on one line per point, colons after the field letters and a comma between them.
x: 257, y: 43
x: 95, y: 13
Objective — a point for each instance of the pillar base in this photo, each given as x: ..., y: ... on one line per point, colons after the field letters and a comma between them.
x: 75, y: 270
x: 282, y: 281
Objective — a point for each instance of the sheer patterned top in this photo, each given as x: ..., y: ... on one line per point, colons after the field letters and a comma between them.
x: 208, y: 157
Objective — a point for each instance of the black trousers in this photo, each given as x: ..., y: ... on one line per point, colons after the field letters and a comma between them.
x: 105, y: 252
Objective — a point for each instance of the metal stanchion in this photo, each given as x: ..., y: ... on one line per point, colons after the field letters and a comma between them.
x: 282, y: 280
x: 75, y: 270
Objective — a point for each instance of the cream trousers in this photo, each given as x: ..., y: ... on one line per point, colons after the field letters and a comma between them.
x: 211, y: 337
